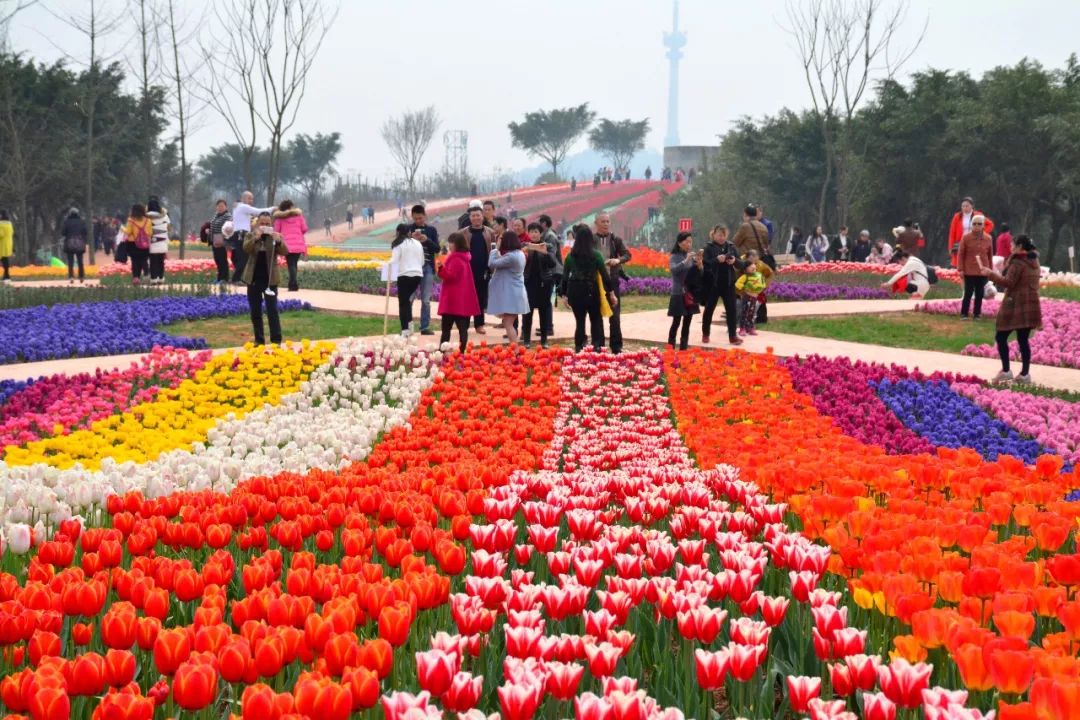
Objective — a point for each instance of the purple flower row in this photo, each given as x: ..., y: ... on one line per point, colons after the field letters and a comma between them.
x: 110, y: 328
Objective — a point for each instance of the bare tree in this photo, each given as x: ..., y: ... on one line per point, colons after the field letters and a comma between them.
x: 176, y: 34
x: 145, y: 65
x: 94, y: 24
x: 844, y: 46
x: 8, y: 10
x: 408, y: 138
x: 259, y: 78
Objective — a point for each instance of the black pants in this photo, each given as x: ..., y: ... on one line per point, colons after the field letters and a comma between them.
x: 291, y: 259
x: 684, y: 336
x: 1023, y: 337
x: 72, y: 257
x: 239, y: 259
x: 140, y: 259
x: 730, y: 311
x: 461, y: 322
x: 221, y: 260
x: 157, y: 266
x: 481, y: 282
x: 614, y: 322
x: 256, y: 297
x: 584, y: 299
x: 551, y: 317
x: 6, y: 261
x: 539, y: 293
x: 973, y: 285
x: 406, y: 286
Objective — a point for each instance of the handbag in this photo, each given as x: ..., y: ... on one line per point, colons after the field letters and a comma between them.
x: 75, y: 244
x: 605, y: 306
x: 688, y: 300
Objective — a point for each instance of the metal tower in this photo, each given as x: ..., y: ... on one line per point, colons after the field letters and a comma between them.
x: 457, y: 153
x: 674, y: 41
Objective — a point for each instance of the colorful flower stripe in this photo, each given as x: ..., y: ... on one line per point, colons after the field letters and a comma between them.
x: 46, y: 272
x: 966, y: 559
x: 234, y: 382
x: 1057, y: 343
x: 278, y: 580
x: 949, y: 420
x: 110, y: 328
x: 334, y: 419
x: 8, y: 388
x: 61, y: 404
x: 944, y: 273
x: 1054, y: 423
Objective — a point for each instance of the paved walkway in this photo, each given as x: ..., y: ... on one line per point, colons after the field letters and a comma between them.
x: 650, y: 326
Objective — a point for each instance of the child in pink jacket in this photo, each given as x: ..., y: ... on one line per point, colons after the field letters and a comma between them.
x: 457, y: 298
x: 290, y: 224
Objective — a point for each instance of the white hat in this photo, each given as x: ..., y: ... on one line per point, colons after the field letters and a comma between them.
x: 476, y: 205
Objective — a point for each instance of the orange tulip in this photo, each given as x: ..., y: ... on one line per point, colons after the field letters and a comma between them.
x: 969, y: 660
x: 50, y: 703
x: 195, y: 685
x: 171, y: 648
x: 1010, y: 670
x: 1011, y: 623
x: 394, y: 623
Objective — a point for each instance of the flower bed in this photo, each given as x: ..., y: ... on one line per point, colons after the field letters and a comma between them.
x: 1057, y: 343
x: 945, y: 557
x: 110, y: 328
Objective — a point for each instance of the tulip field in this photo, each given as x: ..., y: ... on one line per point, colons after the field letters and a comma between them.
x: 378, y: 530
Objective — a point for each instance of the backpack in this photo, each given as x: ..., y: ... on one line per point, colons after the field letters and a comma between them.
x: 142, y: 238
x: 931, y: 275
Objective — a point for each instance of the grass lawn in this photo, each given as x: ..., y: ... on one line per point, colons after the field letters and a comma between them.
x: 1061, y: 292
x: 310, y: 324
x: 632, y: 303
x: 916, y: 330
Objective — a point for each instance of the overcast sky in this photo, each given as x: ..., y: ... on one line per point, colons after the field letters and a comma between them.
x: 484, y: 63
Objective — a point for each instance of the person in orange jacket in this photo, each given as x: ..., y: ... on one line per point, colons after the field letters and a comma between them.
x: 961, y: 226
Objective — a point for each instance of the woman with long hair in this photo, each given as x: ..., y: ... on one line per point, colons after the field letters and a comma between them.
x: 138, y: 233
x: 407, y: 254
x: 457, y: 300
x: 159, y: 243
x: 261, y: 247
x: 1020, y: 309
x: 289, y: 221
x: 582, y: 290
x: 685, y: 266
x: 506, y: 289
x: 817, y: 245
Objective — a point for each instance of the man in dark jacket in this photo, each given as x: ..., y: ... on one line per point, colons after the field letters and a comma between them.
x: 428, y: 235
x: 614, y: 251
x: 861, y: 251
x: 552, y: 238
x: 720, y: 268
x: 481, y: 239
x: 840, y: 246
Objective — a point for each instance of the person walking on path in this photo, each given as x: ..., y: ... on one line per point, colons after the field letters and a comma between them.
x: 407, y: 255
x: 506, y: 289
x: 7, y: 243
x: 243, y: 213
x: 912, y: 278
x: 159, y: 244
x: 1020, y: 309
x: 539, y: 281
x: 750, y: 285
x: 428, y: 236
x: 615, y: 254
x: 961, y: 226
x: 74, y: 233
x: 685, y: 267
x: 289, y: 222
x: 457, y: 299
x: 261, y: 247
x: 219, y: 238
x: 1003, y: 244
x: 751, y: 235
x: 585, y: 281
x: 481, y: 238
x: 973, y: 254
x: 137, y: 233
x: 720, y: 268
x: 552, y: 239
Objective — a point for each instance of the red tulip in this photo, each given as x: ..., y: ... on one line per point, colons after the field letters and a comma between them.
x: 563, y: 679
x: 87, y: 676
x: 588, y: 706
x: 124, y: 706
x: 603, y: 658
x: 269, y: 656
x: 377, y: 654
x: 435, y: 670
x: 520, y: 701
x: 43, y: 644
x: 801, y: 690
x: 195, y: 685
x: 394, y: 624
x: 258, y: 703
x: 364, y: 685
x: 171, y: 648
x: 119, y: 667
x: 773, y: 610
x: 840, y: 680
x: 903, y: 682
x: 50, y: 703
x: 745, y: 660
x: 876, y: 706
x: 118, y: 626
x: 146, y: 632
x: 711, y: 668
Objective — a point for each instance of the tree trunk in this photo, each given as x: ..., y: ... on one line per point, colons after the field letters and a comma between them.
x: 830, y: 158
x: 91, y: 109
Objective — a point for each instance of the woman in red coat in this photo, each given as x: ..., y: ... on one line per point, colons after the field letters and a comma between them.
x: 457, y: 299
x: 961, y: 226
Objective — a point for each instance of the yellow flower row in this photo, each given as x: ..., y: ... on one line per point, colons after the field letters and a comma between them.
x: 235, y: 382
x: 48, y: 271
x: 333, y: 253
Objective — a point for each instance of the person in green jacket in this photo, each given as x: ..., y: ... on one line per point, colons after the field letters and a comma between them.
x: 7, y: 243
x: 582, y: 290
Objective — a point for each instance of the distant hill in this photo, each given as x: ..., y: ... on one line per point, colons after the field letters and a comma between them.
x: 584, y: 164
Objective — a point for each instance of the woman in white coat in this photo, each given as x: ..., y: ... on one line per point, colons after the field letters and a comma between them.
x: 912, y: 278
x: 159, y: 243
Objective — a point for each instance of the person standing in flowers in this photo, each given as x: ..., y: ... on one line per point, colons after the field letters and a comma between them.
x: 720, y: 268
x: 585, y: 278
x: 289, y: 222
x: 7, y: 243
x: 74, y: 233
x: 457, y: 300
x: 137, y: 233
x: 480, y: 237
x: 539, y: 279
x: 159, y: 244
x: 961, y: 226
x: 218, y: 240
x: 506, y: 289
x: 261, y: 248
x: 1020, y: 310
x: 974, y: 253
x: 750, y: 285
x: 685, y: 266
x: 407, y: 255
x: 615, y: 254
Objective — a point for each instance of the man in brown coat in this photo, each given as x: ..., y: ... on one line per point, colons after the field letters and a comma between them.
x: 751, y: 235
x: 975, y: 253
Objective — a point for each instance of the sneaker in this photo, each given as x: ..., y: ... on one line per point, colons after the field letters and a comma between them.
x: 704, y: 339
x: 527, y: 344
x: 1023, y: 379
x: 545, y: 345
x: 269, y: 293
x: 735, y: 341
x: 406, y: 333
x: 742, y: 331
x: 1003, y: 376
x: 751, y: 331
x: 964, y: 317
x: 481, y: 330
x: 427, y: 331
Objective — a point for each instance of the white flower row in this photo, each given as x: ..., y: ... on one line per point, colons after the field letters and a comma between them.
x: 334, y: 419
